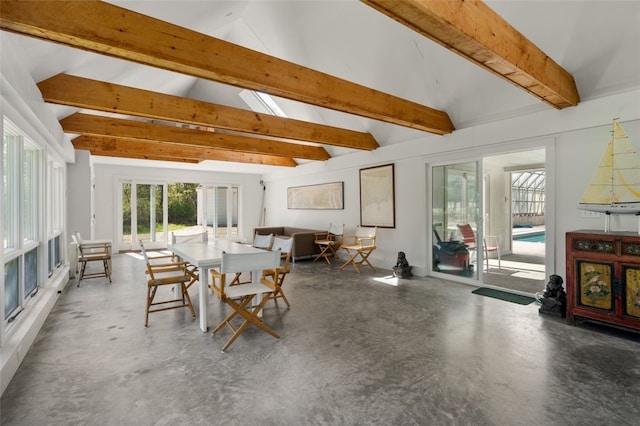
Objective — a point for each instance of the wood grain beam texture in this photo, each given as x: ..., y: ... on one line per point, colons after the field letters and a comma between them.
x: 157, y: 150
x: 81, y: 92
x: 96, y: 125
x: 474, y: 31
x: 111, y: 30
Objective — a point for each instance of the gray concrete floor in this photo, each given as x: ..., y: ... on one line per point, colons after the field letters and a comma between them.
x: 355, y: 350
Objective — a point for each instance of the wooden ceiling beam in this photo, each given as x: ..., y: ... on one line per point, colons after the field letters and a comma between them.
x: 96, y: 125
x: 111, y: 30
x: 115, y: 154
x: 65, y: 89
x: 118, y: 147
x: 474, y: 31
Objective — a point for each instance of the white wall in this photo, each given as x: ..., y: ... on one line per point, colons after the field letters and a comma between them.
x: 578, y: 137
x: 107, y: 177
x: 79, y: 194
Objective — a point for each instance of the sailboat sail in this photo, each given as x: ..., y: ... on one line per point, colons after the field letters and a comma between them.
x: 615, y: 186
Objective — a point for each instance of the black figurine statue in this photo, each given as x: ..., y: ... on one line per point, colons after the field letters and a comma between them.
x: 402, y: 268
x: 554, y: 298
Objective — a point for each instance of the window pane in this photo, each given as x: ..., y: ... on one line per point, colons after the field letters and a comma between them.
x: 10, y: 180
x: 126, y: 214
x: 57, y: 260
x: 150, y: 213
x: 30, y: 271
x: 10, y: 287
x: 30, y: 193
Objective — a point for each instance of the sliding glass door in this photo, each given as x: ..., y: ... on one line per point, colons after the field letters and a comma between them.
x: 455, y: 202
x: 143, y: 215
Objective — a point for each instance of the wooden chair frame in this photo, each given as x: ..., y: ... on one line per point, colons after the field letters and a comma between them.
x: 329, y: 242
x: 87, y: 253
x: 284, y: 245
x: 359, y: 246
x: 239, y: 297
x: 164, y: 274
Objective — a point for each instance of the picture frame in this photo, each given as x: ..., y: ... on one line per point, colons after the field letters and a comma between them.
x: 377, y: 196
x: 595, y: 284
x: 324, y: 196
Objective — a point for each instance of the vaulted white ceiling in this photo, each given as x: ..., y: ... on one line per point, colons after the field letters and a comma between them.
x: 595, y: 41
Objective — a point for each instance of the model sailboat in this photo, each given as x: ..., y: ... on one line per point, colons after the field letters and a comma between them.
x: 615, y: 187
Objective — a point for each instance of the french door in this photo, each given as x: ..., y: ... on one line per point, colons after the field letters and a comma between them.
x: 143, y: 215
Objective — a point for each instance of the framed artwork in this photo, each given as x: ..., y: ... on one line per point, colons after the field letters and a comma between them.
x: 595, y: 284
x: 632, y: 296
x: 325, y: 196
x: 377, y: 196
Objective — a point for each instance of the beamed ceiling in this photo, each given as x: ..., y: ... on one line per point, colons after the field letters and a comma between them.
x: 161, y: 80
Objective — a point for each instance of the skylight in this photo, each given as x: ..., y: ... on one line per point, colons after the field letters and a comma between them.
x: 261, y: 102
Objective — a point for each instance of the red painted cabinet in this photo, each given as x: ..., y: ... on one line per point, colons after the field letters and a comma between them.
x: 603, y: 277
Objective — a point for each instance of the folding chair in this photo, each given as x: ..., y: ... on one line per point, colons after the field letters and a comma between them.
x: 166, y: 274
x: 469, y: 238
x: 259, y: 241
x: 239, y: 297
x: 200, y: 237
x: 359, y: 247
x: 284, y: 245
x: 329, y: 242
x: 93, y: 252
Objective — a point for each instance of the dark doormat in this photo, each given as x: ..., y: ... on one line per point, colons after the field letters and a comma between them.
x: 504, y: 295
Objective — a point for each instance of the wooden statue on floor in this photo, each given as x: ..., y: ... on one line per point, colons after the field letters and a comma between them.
x: 402, y: 268
x: 554, y: 298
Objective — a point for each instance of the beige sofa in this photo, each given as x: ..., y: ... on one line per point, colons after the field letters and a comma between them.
x: 304, y: 246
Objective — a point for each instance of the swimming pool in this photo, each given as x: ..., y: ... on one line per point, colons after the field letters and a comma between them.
x: 533, y: 237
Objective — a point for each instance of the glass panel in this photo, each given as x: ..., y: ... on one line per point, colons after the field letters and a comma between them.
x: 234, y: 212
x: 150, y: 213
x: 210, y: 211
x: 183, y: 205
x: 30, y: 271
x: 57, y: 259
x: 30, y: 194
x: 11, y: 193
x: 126, y: 214
x: 221, y: 211
x: 50, y: 266
x: 456, y: 193
x: 11, y: 293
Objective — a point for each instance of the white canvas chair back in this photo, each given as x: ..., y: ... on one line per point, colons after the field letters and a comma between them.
x: 247, y: 262
x: 336, y: 229
x: 189, y: 238
x: 283, y: 244
x: 200, y: 237
x: 366, y: 232
x: 263, y: 241
x: 76, y: 238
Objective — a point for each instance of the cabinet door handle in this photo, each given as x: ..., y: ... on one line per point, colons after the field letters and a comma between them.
x: 617, y: 286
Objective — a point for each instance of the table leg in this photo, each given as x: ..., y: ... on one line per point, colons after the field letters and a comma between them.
x: 204, y: 293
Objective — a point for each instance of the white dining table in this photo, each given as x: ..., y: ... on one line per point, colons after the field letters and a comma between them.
x: 207, y: 255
